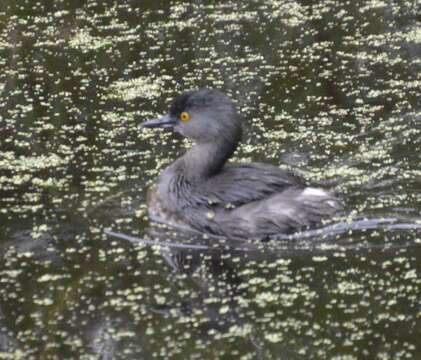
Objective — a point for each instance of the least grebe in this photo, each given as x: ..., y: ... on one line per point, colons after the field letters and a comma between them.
x: 201, y: 190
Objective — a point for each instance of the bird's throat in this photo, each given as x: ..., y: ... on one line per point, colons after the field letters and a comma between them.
x: 205, y: 160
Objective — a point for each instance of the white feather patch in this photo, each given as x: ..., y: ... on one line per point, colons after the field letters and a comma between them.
x: 313, y: 192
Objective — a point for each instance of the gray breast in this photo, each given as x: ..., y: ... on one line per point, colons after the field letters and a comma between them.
x: 251, y: 200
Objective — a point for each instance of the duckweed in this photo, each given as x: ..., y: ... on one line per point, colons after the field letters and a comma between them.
x: 328, y: 88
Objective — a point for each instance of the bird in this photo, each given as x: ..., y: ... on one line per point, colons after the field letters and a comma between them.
x: 202, y: 190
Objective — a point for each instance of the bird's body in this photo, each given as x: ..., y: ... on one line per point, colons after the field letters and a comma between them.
x: 203, y: 191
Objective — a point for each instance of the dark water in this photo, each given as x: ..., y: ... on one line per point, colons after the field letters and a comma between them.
x: 329, y: 88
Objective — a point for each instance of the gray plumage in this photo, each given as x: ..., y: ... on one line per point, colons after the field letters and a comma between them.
x: 236, y: 200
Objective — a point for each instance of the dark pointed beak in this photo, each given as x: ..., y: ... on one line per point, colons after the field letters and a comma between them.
x: 165, y: 121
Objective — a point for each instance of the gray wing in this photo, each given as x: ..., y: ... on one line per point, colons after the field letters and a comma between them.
x: 240, y: 184
x: 292, y: 210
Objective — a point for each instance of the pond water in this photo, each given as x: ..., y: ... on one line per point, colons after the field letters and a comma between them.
x: 328, y: 88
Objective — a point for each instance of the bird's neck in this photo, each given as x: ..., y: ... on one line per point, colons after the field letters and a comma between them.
x: 179, y: 180
x: 205, y: 160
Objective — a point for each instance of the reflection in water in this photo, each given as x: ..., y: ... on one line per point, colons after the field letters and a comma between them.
x: 311, y: 239
x: 232, y: 278
x: 329, y: 88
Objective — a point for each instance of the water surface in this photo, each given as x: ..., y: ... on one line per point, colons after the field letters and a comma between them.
x: 330, y: 89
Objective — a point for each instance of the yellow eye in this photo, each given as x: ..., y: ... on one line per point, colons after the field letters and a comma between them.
x: 184, y: 116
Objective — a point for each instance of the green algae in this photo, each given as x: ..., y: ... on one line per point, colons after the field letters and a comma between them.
x: 330, y: 89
